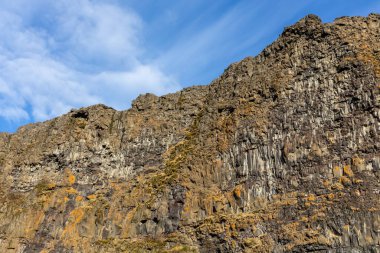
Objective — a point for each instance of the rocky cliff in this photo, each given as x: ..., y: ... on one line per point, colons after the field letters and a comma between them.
x: 279, y: 154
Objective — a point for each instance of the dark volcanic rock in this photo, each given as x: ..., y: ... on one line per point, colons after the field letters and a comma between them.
x: 279, y: 154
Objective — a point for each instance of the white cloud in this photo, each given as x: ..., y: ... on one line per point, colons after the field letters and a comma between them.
x: 47, y: 86
x: 60, y: 54
x: 139, y: 80
x: 99, y: 32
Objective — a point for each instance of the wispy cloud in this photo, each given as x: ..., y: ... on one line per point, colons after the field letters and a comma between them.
x: 55, y: 55
x: 61, y: 54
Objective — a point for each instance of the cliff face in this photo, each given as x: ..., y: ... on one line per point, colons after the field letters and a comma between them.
x: 279, y: 154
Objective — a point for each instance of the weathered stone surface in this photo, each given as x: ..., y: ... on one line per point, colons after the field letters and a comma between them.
x: 279, y: 154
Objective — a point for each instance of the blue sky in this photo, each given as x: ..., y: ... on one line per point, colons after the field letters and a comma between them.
x: 63, y: 54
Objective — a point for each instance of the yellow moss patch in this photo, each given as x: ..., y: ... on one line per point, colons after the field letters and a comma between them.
x: 299, y: 236
x: 71, y: 191
x: 91, y: 197
x: 337, y: 186
x: 252, y: 242
x: 188, y: 204
x: 81, y: 123
x: 367, y: 56
x: 311, y: 197
x: 44, y: 186
x: 51, y: 186
x: 330, y: 196
x: 348, y: 171
x: 238, y: 191
x: 208, y: 203
x: 345, y: 181
x: 327, y: 183
x: 181, y: 248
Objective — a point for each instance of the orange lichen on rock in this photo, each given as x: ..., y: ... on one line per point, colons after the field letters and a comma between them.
x: 330, y: 196
x: 337, y: 171
x: 71, y: 179
x: 78, y: 198
x: 348, y: 171
x: 91, y: 197
x: 238, y: 191
x: 77, y: 215
x: 70, y: 230
x: 311, y: 197
x: 65, y: 199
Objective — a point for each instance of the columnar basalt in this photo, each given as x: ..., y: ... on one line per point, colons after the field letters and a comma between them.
x: 278, y: 154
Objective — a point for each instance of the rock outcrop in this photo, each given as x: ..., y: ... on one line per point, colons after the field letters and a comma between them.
x: 279, y: 154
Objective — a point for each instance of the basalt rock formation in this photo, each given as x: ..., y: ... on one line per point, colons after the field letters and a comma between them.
x: 278, y: 154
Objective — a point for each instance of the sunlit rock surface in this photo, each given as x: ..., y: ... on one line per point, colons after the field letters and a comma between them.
x: 279, y: 154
